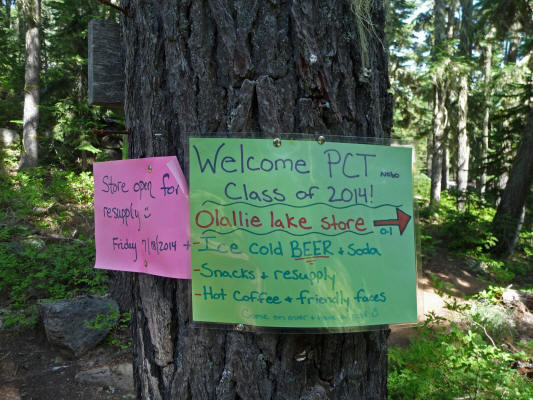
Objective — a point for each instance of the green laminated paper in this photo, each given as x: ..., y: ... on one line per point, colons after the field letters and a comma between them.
x: 301, y: 235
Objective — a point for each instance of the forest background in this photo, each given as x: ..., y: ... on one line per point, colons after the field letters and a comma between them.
x: 461, y: 77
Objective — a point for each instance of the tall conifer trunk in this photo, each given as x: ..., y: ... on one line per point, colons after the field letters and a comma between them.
x: 509, y: 217
x: 463, y: 145
x: 445, y: 178
x: 506, y: 145
x: 487, y: 68
x: 199, y: 67
x: 32, y: 82
x: 440, y: 93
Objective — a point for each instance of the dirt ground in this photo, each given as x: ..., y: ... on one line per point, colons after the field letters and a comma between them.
x: 30, y: 369
x: 450, y: 271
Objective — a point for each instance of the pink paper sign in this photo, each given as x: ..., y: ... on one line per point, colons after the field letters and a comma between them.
x: 141, y: 213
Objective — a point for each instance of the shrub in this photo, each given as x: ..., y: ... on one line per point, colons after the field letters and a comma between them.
x: 37, y: 206
x: 451, y: 364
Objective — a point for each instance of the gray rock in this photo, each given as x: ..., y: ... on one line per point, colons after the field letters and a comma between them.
x: 34, y: 242
x: 117, y: 376
x: 524, y: 325
x: 522, y: 305
x: 518, y: 299
x: 65, y: 322
x: 96, y: 376
x: 8, y: 136
x: 122, y: 375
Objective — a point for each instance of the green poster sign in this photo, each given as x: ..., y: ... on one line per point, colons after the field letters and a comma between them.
x: 304, y: 235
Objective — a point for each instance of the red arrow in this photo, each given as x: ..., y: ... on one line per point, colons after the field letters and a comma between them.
x: 402, y: 219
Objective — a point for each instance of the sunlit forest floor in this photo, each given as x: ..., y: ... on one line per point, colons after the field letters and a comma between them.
x: 440, y: 269
x: 467, y: 344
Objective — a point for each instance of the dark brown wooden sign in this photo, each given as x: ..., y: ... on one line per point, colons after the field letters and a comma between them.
x: 106, y: 66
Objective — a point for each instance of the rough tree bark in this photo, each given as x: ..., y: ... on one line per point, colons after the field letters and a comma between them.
x: 32, y: 81
x: 445, y: 178
x: 440, y: 92
x: 194, y: 67
x: 463, y: 146
x: 447, y: 137
x: 507, y: 144
x: 487, y: 94
x: 448, y: 129
x: 509, y: 217
x: 429, y: 154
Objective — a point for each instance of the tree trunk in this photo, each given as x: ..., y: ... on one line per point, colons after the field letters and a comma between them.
x: 120, y: 289
x: 18, y: 28
x: 506, y: 146
x: 241, y: 66
x: 440, y: 92
x: 445, y: 178
x: 429, y: 155
x: 514, y: 43
x: 8, y: 13
x: 32, y: 81
x: 509, y: 217
x: 440, y: 116
x: 463, y: 146
x: 487, y: 68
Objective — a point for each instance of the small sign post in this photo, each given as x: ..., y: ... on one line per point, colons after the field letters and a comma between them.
x: 105, y: 64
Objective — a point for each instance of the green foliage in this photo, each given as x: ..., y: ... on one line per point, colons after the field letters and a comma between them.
x: 410, y: 86
x: 30, y: 272
x: 105, y: 321
x: 494, y: 320
x: 442, y: 288
x: 117, y: 322
x: 447, y: 360
x: 465, y: 356
x: 32, y: 193
x: 421, y: 186
x: 429, y: 245
x: 11, y: 75
x: 46, y: 250
x: 119, y: 336
x: 442, y: 364
x: 469, y: 235
x: 452, y: 363
x: 469, y: 231
x: 71, y: 142
x: 491, y: 295
x: 66, y: 119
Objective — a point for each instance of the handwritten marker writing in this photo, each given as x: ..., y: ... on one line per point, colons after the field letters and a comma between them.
x: 402, y: 219
x: 140, y: 219
x: 294, y: 237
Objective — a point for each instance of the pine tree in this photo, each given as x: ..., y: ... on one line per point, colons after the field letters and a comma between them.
x: 32, y: 82
x: 440, y: 61
x: 463, y: 145
x: 240, y: 66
